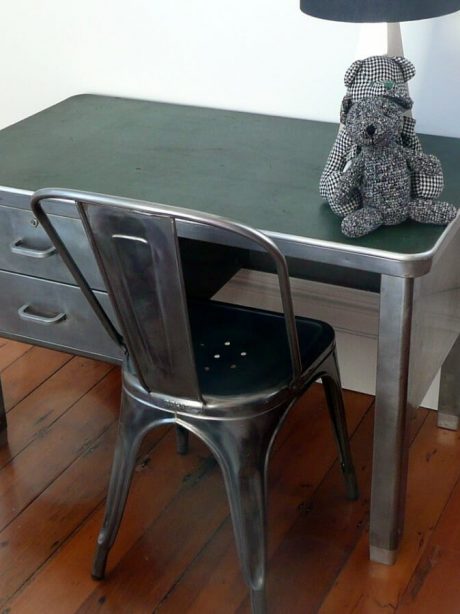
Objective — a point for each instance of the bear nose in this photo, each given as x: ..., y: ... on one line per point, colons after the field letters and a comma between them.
x: 370, y: 129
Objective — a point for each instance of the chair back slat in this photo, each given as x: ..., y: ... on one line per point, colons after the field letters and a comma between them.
x: 139, y: 257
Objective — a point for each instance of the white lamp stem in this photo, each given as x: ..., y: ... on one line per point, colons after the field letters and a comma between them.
x: 394, y: 39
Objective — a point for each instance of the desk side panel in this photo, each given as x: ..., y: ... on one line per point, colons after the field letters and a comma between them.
x: 436, y: 319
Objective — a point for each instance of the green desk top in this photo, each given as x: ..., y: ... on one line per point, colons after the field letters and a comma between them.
x: 258, y: 169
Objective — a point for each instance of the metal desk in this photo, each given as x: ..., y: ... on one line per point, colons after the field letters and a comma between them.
x: 264, y: 171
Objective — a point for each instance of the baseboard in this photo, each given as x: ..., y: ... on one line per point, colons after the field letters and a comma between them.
x: 352, y: 313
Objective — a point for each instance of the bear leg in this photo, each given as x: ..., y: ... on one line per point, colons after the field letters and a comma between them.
x: 430, y: 211
x: 361, y: 222
x: 341, y: 204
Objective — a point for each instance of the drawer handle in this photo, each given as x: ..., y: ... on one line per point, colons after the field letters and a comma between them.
x: 26, y: 313
x: 18, y: 247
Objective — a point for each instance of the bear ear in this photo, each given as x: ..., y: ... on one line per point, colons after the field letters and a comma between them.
x: 407, y: 68
x: 351, y: 72
x: 347, y: 102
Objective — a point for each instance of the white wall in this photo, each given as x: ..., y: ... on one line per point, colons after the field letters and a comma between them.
x: 257, y: 55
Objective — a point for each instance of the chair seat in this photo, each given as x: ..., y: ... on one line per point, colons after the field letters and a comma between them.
x: 241, y: 350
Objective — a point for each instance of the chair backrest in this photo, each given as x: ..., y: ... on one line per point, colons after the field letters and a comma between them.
x: 136, y: 246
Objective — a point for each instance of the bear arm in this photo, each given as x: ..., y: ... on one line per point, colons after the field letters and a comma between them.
x: 409, y: 137
x: 348, y: 181
x: 412, y: 142
x: 336, y: 162
x: 423, y: 163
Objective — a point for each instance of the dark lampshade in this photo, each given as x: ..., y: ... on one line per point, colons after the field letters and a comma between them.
x: 368, y: 11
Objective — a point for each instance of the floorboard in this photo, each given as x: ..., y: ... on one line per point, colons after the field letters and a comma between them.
x: 175, y: 551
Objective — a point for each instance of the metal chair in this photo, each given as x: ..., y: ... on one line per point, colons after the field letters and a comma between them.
x: 229, y: 374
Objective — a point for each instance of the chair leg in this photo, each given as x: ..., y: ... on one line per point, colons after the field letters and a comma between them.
x: 135, y: 421
x: 181, y: 439
x: 3, y: 423
x: 333, y: 391
x: 242, y: 448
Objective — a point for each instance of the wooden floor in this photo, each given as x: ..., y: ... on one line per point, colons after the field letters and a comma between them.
x: 175, y: 551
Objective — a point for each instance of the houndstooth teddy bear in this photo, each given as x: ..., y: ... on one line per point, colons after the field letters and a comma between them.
x: 379, y: 176
x: 363, y: 79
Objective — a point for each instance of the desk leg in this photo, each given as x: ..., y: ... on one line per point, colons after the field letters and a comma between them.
x: 2, y: 417
x: 389, y: 472
x: 449, y: 391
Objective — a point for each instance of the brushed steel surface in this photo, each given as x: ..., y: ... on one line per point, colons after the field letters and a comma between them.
x: 25, y: 247
x: 436, y: 327
x: 389, y: 473
x: 449, y: 390
x: 294, y: 246
x: 328, y: 252
x: 20, y: 247
x: 26, y: 312
x: 106, y: 205
x: 79, y: 332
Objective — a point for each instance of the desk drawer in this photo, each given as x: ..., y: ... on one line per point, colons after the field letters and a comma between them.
x: 25, y: 247
x: 54, y: 314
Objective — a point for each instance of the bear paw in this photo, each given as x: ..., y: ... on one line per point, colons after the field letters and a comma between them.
x: 361, y: 222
